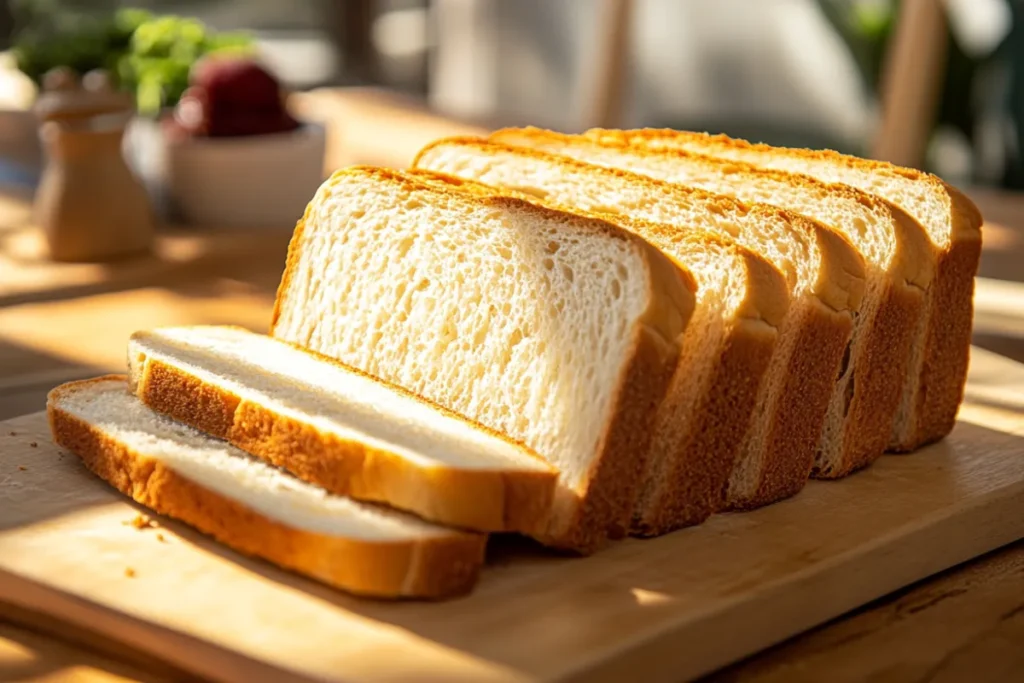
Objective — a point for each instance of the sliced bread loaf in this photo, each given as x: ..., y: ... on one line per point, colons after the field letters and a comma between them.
x: 937, y: 370
x: 253, y: 507
x: 728, y: 344
x: 339, y: 428
x: 866, y: 392
x: 557, y: 330
x: 822, y: 271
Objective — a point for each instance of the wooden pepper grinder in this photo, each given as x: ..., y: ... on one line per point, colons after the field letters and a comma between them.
x: 89, y: 204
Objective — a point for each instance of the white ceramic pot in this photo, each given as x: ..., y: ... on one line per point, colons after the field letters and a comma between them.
x: 260, y: 181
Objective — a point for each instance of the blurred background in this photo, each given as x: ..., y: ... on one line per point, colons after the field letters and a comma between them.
x: 139, y: 188
x: 155, y: 154
x: 797, y: 72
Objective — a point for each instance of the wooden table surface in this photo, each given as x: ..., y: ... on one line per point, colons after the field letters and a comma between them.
x: 60, y: 322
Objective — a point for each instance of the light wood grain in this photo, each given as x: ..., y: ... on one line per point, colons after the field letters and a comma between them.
x: 965, y: 625
x: 664, y: 609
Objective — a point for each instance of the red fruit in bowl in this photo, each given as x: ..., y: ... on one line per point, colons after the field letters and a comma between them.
x: 238, y: 97
x: 236, y: 80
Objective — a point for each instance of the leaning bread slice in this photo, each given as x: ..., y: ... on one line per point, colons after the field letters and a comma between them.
x: 253, y: 507
x: 866, y: 392
x: 557, y: 330
x: 897, y: 251
x: 937, y: 370
x: 822, y: 271
x: 728, y: 344
x: 339, y: 428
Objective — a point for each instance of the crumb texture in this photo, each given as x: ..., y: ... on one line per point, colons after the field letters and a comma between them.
x: 524, y: 323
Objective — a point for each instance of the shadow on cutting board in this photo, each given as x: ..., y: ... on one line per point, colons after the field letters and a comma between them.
x: 552, y: 607
x: 618, y: 586
x: 28, y: 374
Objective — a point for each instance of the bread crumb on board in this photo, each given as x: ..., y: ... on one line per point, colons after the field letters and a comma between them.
x: 141, y: 521
x: 160, y: 537
x: 12, y: 433
x: 33, y: 444
x: 129, y: 572
x: 22, y: 468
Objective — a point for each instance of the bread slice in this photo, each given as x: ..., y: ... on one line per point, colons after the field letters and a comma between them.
x: 866, y: 393
x: 822, y: 271
x: 896, y: 250
x: 934, y: 381
x: 728, y: 344
x: 339, y: 428
x: 253, y: 507
x: 557, y: 330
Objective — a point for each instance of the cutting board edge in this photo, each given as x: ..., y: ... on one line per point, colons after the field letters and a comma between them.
x: 150, y: 638
x: 663, y: 647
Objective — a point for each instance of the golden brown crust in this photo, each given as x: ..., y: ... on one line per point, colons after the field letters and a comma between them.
x: 933, y: 394
x: 694, y: 487
x: 699, y: 428
x: 915, y: 259
x: 792, y: 436
x: 946, y: 349
x: 416, y: 181
x: 940, y: 386
x: 842, y: 272
x: 804, y: 395
x: 879, y: 376
x: 881, y: 369
x: 452, y: 185
x: 967, y: 229
x: 290, y: 264
x: 614, y: 479
x: 434, y: 567
x: 606, y: 505
x: 767, y: 298
x: 474, y: 499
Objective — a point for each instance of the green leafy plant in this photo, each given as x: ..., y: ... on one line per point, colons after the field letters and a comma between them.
x: 148, y: 55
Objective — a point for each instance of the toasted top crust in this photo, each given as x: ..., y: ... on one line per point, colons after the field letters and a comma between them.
x: 962, y: 221
x: 840, y: 283
x: 767, y: 293
x: 909, y: 260
x: 672, y: 287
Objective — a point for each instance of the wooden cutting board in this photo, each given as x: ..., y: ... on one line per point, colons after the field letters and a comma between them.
x: 664, y: 609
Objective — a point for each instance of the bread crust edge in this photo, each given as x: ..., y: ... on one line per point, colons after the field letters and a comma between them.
x: 436, y: 567
x: 605, y: 510
x: 803, y: 402
x: 939, y: 387
x: 880, y: 373
x: 480, y: 500
x: 696, y: 480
